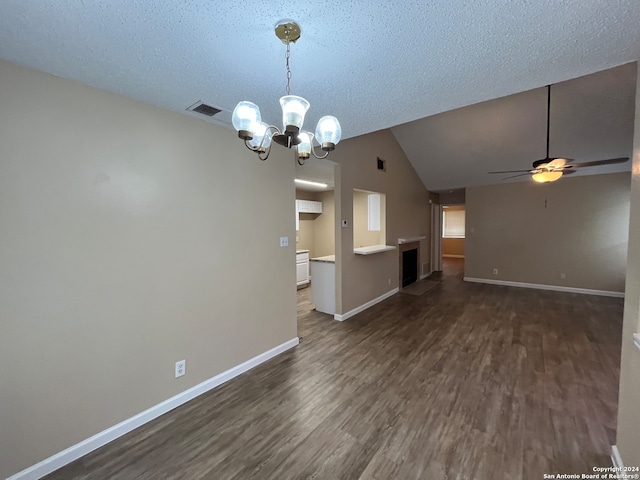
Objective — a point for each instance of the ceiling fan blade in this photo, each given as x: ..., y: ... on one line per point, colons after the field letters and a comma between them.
x: 595, y: 163
x: 514, y: 176
x: 511, y: 171
x: 567, y: 171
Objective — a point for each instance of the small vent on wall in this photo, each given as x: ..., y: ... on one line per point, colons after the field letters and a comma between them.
x: 425, y: 269
x: 204, y: 109
x: 382, y: 164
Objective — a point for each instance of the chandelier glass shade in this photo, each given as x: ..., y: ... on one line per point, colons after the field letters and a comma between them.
x: 259, y: 136
x: 294, y: 109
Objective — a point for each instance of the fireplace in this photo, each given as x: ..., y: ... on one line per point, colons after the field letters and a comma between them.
x: 409, y: 266
x: 409, y: 260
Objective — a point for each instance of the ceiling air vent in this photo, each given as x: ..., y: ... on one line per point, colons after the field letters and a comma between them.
x: 204, y: 109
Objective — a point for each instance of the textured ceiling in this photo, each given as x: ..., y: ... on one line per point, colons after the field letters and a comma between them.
x: 374, y: 64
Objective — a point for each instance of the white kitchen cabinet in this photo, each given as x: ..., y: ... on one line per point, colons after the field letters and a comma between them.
x: 309, y: 206
x: 316, y: 207
x: 302, y: 267
x: 304, y: 206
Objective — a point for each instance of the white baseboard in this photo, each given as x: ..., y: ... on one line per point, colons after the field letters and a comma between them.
x: 78, y: 450
x: 539, y: 286
x: 363, y: 307
x: 452, y: 256
x: 616, y: 459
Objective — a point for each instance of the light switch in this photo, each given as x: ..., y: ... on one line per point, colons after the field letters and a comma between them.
x: 284, y: 241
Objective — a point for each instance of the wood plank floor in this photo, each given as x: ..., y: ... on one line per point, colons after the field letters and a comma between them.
x: 467, y: 381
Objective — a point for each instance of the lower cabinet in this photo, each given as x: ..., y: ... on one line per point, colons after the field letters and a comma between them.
x: 323, y: 288
x: 302, y: 268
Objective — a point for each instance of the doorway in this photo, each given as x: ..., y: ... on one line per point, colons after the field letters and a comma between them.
x: 448, y: 228
x: 453, y: 231
x: 315, y: 228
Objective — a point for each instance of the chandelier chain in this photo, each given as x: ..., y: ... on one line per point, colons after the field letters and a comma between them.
x: 286, y: 56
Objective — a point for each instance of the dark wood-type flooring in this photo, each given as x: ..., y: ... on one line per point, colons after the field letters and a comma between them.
x: 467, y: 381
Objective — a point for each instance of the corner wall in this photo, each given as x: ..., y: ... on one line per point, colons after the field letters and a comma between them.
x: 325, y: 238
x: 362, y: 278
x: 131, y: 238
x: 628, y: 432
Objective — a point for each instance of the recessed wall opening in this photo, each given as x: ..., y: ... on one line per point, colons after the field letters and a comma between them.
x: 369, y: 218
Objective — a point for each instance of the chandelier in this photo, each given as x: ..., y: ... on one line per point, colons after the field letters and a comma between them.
x: 258, y: 136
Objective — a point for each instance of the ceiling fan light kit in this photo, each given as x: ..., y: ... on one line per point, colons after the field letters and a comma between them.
x: 549, y: 169
x: 546, y: 176
x: 258, y: 136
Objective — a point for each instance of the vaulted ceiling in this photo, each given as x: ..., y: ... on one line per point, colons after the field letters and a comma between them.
x: 591, y: 118
x: 374, y: 65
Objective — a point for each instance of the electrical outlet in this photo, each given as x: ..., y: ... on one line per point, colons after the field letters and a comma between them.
x: 284, y: 241
x: 563, y: 276
x: 495, y: 271
x: 181, y: 368
x: 345, y: 223
x: 389, y: 281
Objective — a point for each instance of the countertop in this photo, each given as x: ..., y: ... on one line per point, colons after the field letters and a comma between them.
x: 302, y: 251
x: 371, y: 249
x: 325, y: 259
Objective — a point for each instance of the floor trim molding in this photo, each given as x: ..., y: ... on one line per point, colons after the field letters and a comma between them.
x: 616, y: 459
x: 539, y: 286
x: 98, y: 440
x: 363, y: 307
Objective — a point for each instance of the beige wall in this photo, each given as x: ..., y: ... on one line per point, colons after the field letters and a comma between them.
x: 131, y: 238
x: 325, y: 229
x: 453, y: 247
x: 455, y: 197
x: 628, y: 435
x: 362, y: 278
x: 533, y: 233
x: 307, y: 233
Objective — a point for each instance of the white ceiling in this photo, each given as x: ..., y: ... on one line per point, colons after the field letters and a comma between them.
x: 316, y: 170
x: 374, y: 64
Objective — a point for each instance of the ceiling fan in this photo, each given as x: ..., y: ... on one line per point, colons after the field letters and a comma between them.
x: 551, y: 169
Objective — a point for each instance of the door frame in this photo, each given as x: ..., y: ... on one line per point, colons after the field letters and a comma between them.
x: 436, y: 237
